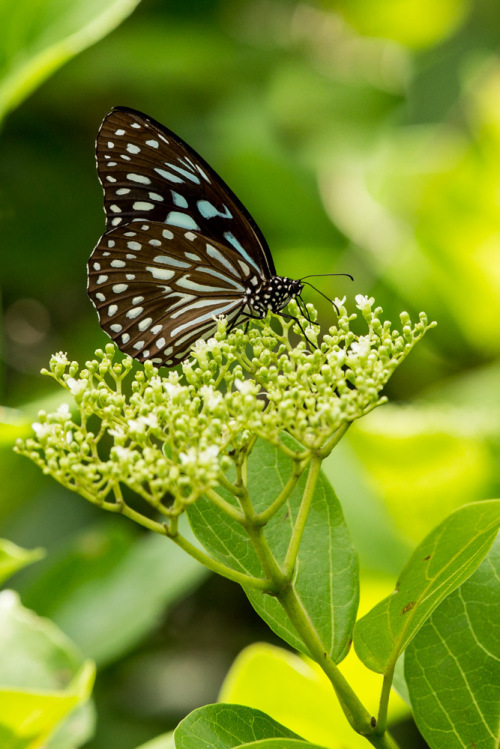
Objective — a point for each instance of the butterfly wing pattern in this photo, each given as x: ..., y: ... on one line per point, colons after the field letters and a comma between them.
x: 179, y: 250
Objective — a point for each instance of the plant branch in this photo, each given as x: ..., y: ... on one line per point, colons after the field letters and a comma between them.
x: 355, y: 712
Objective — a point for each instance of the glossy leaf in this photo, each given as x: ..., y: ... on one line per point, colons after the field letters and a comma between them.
x: 226, y: 726
x: 281, y: 744
x: 442, y: 562
x: 39, y: 37
x: 326, y: 578
x: 460, y: 645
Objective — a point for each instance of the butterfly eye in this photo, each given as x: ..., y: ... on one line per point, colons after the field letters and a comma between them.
x: 180, y: 249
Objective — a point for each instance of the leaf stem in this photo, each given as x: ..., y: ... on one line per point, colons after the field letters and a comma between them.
x: 300, y: 522
x: 384, y: 701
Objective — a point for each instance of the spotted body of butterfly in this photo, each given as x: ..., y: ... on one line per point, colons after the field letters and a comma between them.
x: 179, y: 248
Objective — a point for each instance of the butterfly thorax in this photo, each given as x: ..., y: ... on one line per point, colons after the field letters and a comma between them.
x: 274, y: 294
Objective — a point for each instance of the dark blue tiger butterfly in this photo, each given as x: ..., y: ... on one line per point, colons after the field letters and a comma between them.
x: 179, y: 248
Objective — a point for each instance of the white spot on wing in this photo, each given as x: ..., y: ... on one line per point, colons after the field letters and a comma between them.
x: 119, y: 288
x: 134, y: 312
x: 168, y: 175
x: 163, y: 274
x: 173, y: 261
x: 142, y: 205
x: 140, y: 178
x: 181, y: 219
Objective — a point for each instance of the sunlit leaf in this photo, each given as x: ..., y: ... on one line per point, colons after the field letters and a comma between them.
x: 42, y: 676
x: 40, y: 36
x: 442, y: 562
x: 305, y: 701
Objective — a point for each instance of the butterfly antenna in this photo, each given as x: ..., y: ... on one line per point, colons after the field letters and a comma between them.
x: 323, y: 275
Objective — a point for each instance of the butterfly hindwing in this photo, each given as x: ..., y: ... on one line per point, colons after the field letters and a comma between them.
x: 157, y: 288
x: 147, y: 172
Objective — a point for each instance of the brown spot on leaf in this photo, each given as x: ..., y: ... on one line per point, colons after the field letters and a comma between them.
x: 409, y: 606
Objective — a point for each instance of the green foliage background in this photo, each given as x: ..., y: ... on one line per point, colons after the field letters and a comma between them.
x: 364, y: 138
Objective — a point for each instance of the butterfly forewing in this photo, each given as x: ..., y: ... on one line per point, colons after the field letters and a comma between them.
x: 157, y: 288
x: 147, y: 172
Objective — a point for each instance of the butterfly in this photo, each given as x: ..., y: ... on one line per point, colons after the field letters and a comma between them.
x: 179, y: 249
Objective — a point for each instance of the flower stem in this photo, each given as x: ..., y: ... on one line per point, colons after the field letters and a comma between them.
x: 221, y: 569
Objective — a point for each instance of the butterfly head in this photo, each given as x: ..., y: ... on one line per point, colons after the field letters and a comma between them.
x: 274, y: 294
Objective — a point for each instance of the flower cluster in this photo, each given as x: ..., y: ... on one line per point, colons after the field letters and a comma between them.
x: 171, y: 438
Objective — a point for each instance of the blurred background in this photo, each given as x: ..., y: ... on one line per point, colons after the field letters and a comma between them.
x: 363, y: 138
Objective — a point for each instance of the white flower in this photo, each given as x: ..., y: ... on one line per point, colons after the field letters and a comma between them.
x: 76, y: 387
x: 122, y: 453
x: 172, y: 389
x: 60, y: 358
x: 339, y: 302
x: 204, y: 458
x: 244, y: 386
x: 362, y: 301
x: 211, y: 397
x: 142, y: 422
x: 41, y: 430
x: 64, y: 411
x: 361, y: 347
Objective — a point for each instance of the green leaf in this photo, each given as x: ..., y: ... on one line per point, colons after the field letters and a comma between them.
x: 327, y: 565
x: 442, y: 562
x: 460, y: 645
x: 165, y: 741
x: 42, y: 676
x: 14, y: 558
x: 38, y: 36
x: 281, y: 744
x: 94, y: 590
x: 226, y: 726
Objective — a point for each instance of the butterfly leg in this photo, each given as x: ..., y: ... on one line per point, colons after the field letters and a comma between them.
x: 304, y: 311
